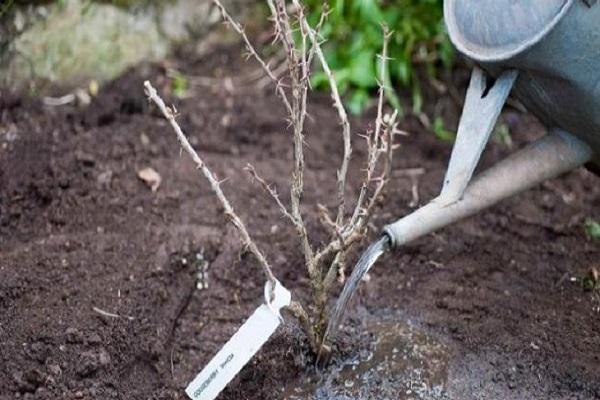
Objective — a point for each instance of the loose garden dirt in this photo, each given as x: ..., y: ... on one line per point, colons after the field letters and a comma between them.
x: 99, y: 294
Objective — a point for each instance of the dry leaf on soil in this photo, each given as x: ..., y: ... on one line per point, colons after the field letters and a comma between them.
x: 150, y: 178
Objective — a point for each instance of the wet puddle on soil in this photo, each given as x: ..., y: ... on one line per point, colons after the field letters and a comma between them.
x: 395, y: 360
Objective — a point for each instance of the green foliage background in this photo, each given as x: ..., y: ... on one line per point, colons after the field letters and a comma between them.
x: 354, y: 38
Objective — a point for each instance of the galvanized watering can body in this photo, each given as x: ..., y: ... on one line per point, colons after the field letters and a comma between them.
x: 548, y: 53
x: 555, y: 46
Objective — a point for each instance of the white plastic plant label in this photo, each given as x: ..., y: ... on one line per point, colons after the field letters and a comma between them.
x: 242, y: 346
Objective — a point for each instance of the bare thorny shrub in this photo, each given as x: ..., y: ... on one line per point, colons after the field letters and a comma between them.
x: 301, y: 44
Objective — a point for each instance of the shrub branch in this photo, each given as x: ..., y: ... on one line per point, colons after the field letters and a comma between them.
x: 326, y: 262
x: 240, y: 30
x: 339, y: 107
x: 215, y: 186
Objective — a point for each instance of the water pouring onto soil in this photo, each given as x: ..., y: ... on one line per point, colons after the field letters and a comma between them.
x: 381, y: 355
x: 363, y: 266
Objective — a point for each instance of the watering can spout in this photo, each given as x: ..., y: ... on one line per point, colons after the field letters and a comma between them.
x: 548, y: 157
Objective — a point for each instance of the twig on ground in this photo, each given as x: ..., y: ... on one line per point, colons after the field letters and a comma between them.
x: 111, y: 315
x: 59, y: 101
x: 172, y: 366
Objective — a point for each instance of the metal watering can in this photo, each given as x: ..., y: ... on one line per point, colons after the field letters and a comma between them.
x: 548, y: 53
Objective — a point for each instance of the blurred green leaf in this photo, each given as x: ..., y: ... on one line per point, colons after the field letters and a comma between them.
x: 592, y: 229
x: 502, y: 135
x: 5, y: 6
x: 417, y: 96
x: 358, y: 101
x: 179, y: 84
x: 362, y: 69
x: 441, y: 132
x: 588, y: 283
x: 319, y: 80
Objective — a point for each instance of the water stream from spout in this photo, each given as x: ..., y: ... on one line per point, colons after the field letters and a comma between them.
x: 364, y: 264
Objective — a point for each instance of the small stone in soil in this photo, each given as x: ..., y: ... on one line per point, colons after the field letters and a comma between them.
x: 94, y: 339
x: 73, y: 335
x: 54, y: 369
x: 91, y: 361
x: 28, y: 381
x: 39, y: 352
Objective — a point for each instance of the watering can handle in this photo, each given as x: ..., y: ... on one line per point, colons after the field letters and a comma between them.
x: 483, y: 104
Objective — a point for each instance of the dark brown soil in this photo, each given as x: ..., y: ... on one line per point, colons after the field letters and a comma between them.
x: 80, y: 233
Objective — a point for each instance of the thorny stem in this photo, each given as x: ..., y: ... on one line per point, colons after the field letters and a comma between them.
x: 354, y: 229
x: 300, y: 313
x: 316, y: 31
x: 326, y: 220
x: 238, y: 28
x: 388, y: 149
x: 271, y: 191
x: 283, y: 31
x: 374, y: 140
x: 339, y: 107
x: 295, y: 307
x: 297, y: 113
x: 247, y: 241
